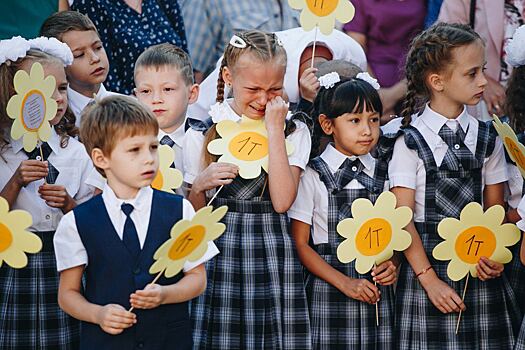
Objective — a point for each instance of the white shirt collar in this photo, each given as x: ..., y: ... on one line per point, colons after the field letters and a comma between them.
x: 53, y: 142
x: 434, y: 121
x: 77, y: 101
x: 141, y: 202
x: 335, y: 159
x: 177, y: 136
x: 223, y: 111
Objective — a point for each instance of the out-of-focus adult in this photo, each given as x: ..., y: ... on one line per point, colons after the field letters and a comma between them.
x: 211, y: 23
x: 128, y: 27
x: 24, y: 18
x: 385, y: 29
x: 433, y: 7
x: 495, y: 21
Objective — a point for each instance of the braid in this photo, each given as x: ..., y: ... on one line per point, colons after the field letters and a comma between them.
x: 514, y: 106
x: 220, y: 83
x: 66, y: 128
x: 430, y: 52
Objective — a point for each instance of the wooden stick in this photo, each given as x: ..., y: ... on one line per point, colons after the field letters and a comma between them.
x: 215, y: 195
x: 462, y: 299
x: 153, y: 282
x: 377, y: 307
x: 313, y: 47
x: 42, y: 156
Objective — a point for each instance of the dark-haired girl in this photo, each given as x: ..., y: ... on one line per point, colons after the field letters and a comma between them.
x: 445, y: 160
x: 341, y: 300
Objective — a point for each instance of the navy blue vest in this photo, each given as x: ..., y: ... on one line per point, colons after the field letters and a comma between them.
x: 112, y: 275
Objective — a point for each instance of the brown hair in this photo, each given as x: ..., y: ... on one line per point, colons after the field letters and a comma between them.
x: 431, y: 51
x: 59, y: 23
x: 113, y: 118
x: 265, y: 47
x: 163, y: 55
x: 515, y: 95
x: 65, y: 128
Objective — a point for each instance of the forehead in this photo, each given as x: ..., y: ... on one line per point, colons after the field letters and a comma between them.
x: 251, y: 69
x: 158, y: 74
x: 468, y: 56
x: 77, y: 39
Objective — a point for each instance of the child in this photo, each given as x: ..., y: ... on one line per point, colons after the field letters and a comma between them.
x: 90, y: 65
x: 164, y: 83
x: 115, y: 251
x: 445, y: 160
x: 46, y: 188
x: 520, y: 342
x: 255, y: 297
x: 339, y: 298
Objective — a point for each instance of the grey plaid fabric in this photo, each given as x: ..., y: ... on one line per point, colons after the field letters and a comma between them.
x: 255, y: 297
x: 492, y: 317
x: 52, y: 174
x: 339, y: 322
x: 520, y: 342
x: 30, y: 315
x: 166, y: 140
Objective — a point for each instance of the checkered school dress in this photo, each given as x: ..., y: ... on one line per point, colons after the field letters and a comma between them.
x: 30, y: 317
x: 492, y: 310
x: 255, y: 297
x: 340, y: 322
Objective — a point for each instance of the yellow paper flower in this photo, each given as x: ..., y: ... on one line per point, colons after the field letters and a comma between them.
x: 515, y: 149
x: 189, y: 241
x: 323, y: 13
x: 245, y: 144
x: 15, y: 240
x: 32, y: 107
x: 373, y: 232
x: 474, y: 235
x: 167, y: 178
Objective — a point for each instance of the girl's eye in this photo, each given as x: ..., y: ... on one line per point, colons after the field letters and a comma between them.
x: 143, y: 92
x: 354, y: 121
x: 374, y: 120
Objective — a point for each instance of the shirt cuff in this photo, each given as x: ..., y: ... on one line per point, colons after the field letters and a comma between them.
x: 496, y: 177
x: 407, y: 181
x: 300, y: 216
x: 65, y: 264
x: 210, y: 253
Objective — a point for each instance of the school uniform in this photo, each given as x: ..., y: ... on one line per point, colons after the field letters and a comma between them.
x: 520, y: 341
x: 255, y: 297
x: 326, y: 192
x: 448, y: 162
x: 113, y: 272
x: 31, y: 317
x: 77, y: 102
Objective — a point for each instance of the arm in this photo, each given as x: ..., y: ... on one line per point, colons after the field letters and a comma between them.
x: 190, y: 286
x: 112, y: 318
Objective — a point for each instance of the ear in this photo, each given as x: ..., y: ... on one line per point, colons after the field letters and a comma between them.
x: 326, y: 124
x: 135, y: 92
x: 194, y: 93
x: 227, y: 76
x: 436, y: 82
x: 99, y: 159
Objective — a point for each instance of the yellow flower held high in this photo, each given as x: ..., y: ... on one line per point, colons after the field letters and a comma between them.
x: 323, y: 13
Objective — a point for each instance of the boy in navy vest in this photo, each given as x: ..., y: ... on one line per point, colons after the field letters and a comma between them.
x: 112, y: 238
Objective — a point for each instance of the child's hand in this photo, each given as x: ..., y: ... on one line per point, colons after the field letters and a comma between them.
x: 56, y: 196
x: 385, y: 273
x: 215, y: 175
x: 443, y: 297
x: 113, y: 319
x: 488, y: 269
x: 29, y: 171
x: 275, y: 114
x: 309, y: 84
x: 361, y: 289
x: 148, y: 298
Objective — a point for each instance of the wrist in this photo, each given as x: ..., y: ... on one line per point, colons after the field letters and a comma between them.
x: 427, y: 278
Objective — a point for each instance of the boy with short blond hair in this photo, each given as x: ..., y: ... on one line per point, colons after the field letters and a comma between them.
x: 90, y: 64
x: 112, y: 238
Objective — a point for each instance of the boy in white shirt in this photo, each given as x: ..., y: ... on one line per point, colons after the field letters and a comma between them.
x: 111, y: 239
x: 90, y: 65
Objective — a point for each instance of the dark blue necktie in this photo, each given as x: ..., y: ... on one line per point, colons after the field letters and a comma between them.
x: 130, y: 236
x: 166, y: 140
x: 46, y: 151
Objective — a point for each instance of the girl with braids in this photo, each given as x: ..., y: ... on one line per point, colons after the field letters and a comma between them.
x: 446, y: 159
x: 339, y: 298
x: 46, y: 188
x: 255, y: 297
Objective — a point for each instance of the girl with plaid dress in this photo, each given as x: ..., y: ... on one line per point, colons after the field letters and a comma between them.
x: 341, y: 301
x: 445, y: 160
x: 255, y: 297
x: 30, y: 315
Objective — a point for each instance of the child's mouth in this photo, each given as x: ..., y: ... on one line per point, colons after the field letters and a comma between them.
x: 98, y: 71
x: 148, y: 174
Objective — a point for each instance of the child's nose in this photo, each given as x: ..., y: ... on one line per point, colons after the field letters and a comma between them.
x: 94, y: 57
x: 262, y: 99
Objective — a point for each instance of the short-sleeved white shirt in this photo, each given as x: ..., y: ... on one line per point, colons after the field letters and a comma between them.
x: 406, y: 169
x: 77, y: 102
x: 74, y: 166
x: 194, y: 143
x: 514, y: 188
x: 70, y: 252
x: 311, y: 204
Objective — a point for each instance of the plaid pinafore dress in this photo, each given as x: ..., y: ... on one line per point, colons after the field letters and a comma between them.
x: 255, y: 297
x: 340, y: 322
x: 492, y: 310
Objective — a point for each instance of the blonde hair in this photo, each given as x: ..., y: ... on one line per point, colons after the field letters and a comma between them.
x: 113, y: 118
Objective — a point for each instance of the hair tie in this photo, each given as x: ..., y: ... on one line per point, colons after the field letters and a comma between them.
x: 238, y: 42
x: 13, y: 49
x: 329, y: 80
x: 368, y: 78
x: 53, y: 47
x: 515, y: 49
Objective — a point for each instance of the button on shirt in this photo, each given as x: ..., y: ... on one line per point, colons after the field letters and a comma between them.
x: 70, y: 251
x: 311, y: 204
x: 406, y: 169
x: 74, y: 166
